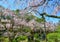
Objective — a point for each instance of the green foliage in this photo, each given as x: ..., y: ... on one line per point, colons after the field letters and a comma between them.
x: 37, y: 40
x: 52, y: 37
x: 2, y: 16
x: 29, y: 17
x: 36, y: 35
x: 58, y: 28
x: 4, y: 39
x: 9, y: 17
x: 39, y: 19
x: 22, y: 37
x: 19, y: 38
x: 17, y: 11
x: 26, y: 30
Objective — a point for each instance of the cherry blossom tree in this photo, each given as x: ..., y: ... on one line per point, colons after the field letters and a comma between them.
x: 35, y: 4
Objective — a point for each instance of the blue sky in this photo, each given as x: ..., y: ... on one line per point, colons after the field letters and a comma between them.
x: 9, y: 4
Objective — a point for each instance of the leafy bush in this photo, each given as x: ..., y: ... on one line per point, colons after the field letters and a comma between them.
x: 58, y: 29
x: 53, y: 37
x: 36, y: 35
x: 4, y: 39
x: 20, y: 38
